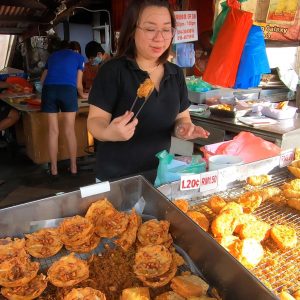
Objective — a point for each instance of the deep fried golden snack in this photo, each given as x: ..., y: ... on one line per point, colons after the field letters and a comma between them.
x: 294, y: 168
x: 136, y: 293
x: 75, y: 230
x: 257, y: 230
x: 189, y: 286
x: 43, y: 243
x: 152, y: 261
x: 294, y: 203
x: 199, y: 218
x: 284, y: 236
x: 290, y: 193
x: 216, y: 203
x: 296, y: 295
x: 224, y: 224
x: 243, y: 219
x: 17, y: 271
x: 250, y: 201
x: 169, y: 296
x: 248, y: 251
x: 227, y: 241
x: 234, y: 207
x: 269, y: 192
x: 286, y: 296
x: 96, y: 209
x: 182, y: 204
x: 258, y: 180
x: 68, y: 271
x: 85, y: 293
x: 10, y: 248
x: 112, y: 223
x: 31, y: 290
x: 145, y: 89
x: 154, y: 232
x: 128, y: 237
x: 86, y: 247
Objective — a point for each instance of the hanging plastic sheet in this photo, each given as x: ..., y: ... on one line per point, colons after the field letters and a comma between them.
x: 254, y: 60
x: 223, y: 63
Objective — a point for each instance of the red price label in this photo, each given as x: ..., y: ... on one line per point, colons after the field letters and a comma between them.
x: 208, y: 181
x: 190, y: 182
x: 286, y: 158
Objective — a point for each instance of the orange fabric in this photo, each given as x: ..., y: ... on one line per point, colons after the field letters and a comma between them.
x: 89, y: 74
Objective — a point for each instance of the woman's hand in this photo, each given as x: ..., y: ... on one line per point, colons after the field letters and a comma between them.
x: 189, y: 131
x: 122, y: 128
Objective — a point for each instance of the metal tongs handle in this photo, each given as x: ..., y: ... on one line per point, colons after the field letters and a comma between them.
x: 134, y: 103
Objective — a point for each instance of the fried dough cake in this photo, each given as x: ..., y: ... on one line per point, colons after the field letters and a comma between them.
x: 227, y: 241
x: 43, y: 243
x: 87, y: 246
x: 85, y: 293
x: 189, y: 286
x: 258, y: 180
x: 243, y: 219
x: 145, y: 88
x: 31, y: 290
x: 182, y: 204
x: 199, y: 218
x: 257, y: 230
x: 169, y: 296
x: 269, y: 192
x: 224, y: 224
x: 250, y: 201
x: 10, y: 248
x: 216, y: 203
x: 136, y: 293
x: 294, y: 203
x: 284, y: 236
x: 234, y: 207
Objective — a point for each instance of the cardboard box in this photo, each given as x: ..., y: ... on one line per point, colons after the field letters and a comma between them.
x: 36, y: 136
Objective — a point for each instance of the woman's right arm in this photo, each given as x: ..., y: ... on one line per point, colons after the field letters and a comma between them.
x: 104, y: 129
x: 43, y: 77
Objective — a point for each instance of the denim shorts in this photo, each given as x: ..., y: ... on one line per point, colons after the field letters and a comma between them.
x: 56, y: 97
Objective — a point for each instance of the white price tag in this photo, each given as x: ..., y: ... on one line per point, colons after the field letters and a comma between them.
x: 190, y: 182
x: 208, y: 181
x: 286, y: 157
x: 94, y: 189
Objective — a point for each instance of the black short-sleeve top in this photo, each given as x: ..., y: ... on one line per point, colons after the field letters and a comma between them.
x: 114, y: 90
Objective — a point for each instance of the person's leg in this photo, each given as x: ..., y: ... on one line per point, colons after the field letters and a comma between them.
x: 53, y: 132
x: 69, y: 131
x: 11, y: 119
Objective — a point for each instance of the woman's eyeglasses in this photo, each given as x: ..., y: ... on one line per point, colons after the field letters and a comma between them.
x: 151, y: 33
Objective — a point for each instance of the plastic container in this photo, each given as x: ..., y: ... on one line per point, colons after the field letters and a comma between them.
x: 279, y: 114
x: 217, y: 162
x: 208, y: 97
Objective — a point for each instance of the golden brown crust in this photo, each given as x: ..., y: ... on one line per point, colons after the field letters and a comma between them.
x: 284, y: 236
x: 257, y: 230
x: 258, y: 180
x: 169, y: 296
x: 145, y: 89
x: 86, y: 247
x: 250, y: 201
x: 234, y: 207
x: 43, y: 243
x: 10, y: 248
x: 135, y: 293
x: 199, y: 218
x: 294, y: 203
x: 269, y: 192
x: 68, y: 271
x: 285, y: 296
x: 182, y: 204
x: 85, y: 293
x: 216, y: 203
x: 224, y: 224
x: 31, y: 290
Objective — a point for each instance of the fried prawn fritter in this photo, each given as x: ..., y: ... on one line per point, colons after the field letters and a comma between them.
x: 154, y: 232
x: 199, y: 218
x: 169, y: 296
x: 17, y: 271
x: 145, y: 89
x: 86, y: 247
x: 182, y: 204
x: 290, y: 193
x: 75, y: 230
x: 85, y: 293
x: 112, y: 223
x: 96, y: 209
x: 216, y: 203
x: 235, y: 208
x: 128, y: 237
x: 43, y: 243
x: 189, y: 286
x: 152, y: 261
x: 10, y: 248
x: 224, y: 224
x: 250, y: 201
x: 68, y: 271
x: 257, y: 230
x: 31, y: 290
x: 294, y: 203
x: 284, y: 236
x: 258, y: 180
x: 136, y: 293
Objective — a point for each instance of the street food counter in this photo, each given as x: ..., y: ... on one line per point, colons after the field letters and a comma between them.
x: 32, y: 128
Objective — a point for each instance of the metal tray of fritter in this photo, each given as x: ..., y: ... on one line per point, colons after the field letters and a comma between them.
x: 278, y: 270
x: 219, y: 268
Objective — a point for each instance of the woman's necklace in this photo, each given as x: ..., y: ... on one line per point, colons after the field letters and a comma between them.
x: 151, y: 70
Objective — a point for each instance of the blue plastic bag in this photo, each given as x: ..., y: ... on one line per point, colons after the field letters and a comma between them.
x: 185, y: 55
x: 254, y: 60
x: 171, y: 169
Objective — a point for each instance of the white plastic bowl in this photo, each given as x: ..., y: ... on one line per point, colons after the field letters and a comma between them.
x: 217, y: 162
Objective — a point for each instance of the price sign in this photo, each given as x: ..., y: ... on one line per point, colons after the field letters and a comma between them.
x: 190, y: 182
x: 286, y: 158
x: 208, y: 181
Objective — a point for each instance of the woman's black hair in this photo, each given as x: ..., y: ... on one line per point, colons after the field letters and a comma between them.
x: 92, y: 48
x: 75, y: 46
x: 126, y: 43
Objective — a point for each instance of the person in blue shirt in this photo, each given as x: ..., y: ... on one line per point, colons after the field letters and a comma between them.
x: 62, y: 80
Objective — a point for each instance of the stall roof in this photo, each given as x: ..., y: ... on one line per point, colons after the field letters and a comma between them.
x: 28, y: 17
